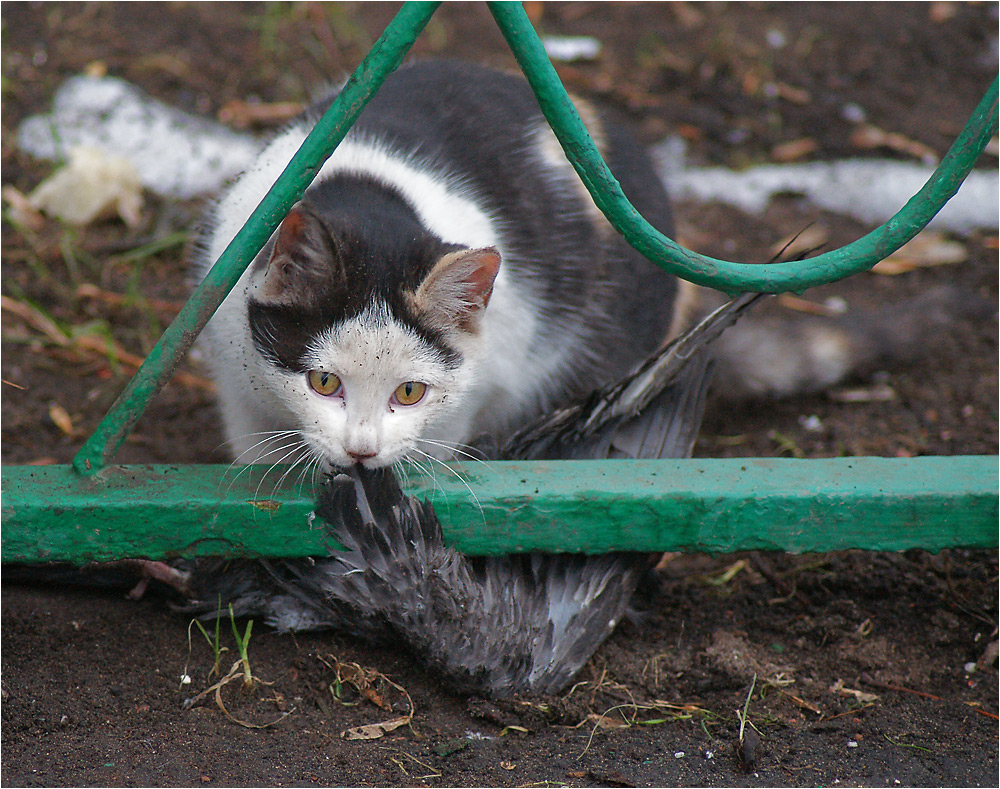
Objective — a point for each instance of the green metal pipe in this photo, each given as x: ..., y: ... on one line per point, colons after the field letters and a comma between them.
x: 158, y: 512
x: 382, y: 60
x: 723, y: 275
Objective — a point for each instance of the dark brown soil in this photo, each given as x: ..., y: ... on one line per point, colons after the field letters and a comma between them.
x: 871, y: 669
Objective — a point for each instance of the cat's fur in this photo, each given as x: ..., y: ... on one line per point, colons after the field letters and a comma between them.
x: 447, y: 241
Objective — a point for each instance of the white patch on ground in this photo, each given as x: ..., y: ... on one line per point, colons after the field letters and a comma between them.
x: 183, y: 155
x: 571, y: 48
x: 871, y: 190
x: 176, y: 154
x: 91, y: 184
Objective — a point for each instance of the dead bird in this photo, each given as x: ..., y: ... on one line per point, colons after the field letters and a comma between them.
x: 492, y: 625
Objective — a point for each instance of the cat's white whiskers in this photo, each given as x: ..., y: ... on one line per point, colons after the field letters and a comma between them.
x: 458, y: 449
x: 458, y: 476
x: 402, y: 473
x: 297, y: 446
x: 401, y: 466
x: 305, y: 453
x: 313, y: 465
x: 320, y: 467
x: 425, y: 469
x: 272, y: 437
x: 233, y: 440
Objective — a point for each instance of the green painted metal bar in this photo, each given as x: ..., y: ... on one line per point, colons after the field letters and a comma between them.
x: 52, y: 513
x: 382, y: 60
x: 723, y: 275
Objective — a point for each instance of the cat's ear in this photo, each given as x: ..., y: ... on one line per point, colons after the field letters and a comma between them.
x: 303, y: 263
x: 459, y: 287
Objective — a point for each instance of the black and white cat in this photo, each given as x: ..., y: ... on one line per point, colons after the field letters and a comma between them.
x: 445, y: 280
x: 445, y: 277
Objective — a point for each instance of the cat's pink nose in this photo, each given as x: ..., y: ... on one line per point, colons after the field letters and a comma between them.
x: 361, y: 456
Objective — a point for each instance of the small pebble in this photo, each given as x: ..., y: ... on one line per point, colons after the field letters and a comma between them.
x: 775, y: 39
x: 853, y: 113
x: 811, y: 423
x: 836, y: 304
x: 736, y: 136
x: 852, y: 744
x: 679, y: 755
x: 571, y: 48
x: 969, y: 667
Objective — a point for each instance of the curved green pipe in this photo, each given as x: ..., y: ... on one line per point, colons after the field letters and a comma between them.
x: 720, y: 274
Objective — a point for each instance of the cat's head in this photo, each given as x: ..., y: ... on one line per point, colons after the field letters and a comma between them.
x: 367, y: 331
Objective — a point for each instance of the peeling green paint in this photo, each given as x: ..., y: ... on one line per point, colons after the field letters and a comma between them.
x: 52, y: 513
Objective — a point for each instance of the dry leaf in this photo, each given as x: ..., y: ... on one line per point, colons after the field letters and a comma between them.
x: 800, y: 702
x: 61, y: 419
x: 869, y: 137
x: 35, y: 318
x: 879, y: 393
x: 687, y: 14
x: 376, y: 698
x: 794, y: 149
x: 91, y: 184
x: 665, y: 560
x: 789, y: 93
x: 21, y: 209
x: 605, y: 722
x: 860, y: 695
x: 927, y: 249
x: 942, y: 11
x: 87, y: 290
x: 374, y: 731
x: 830, y: 308
x: 243, y: 114
x: 96, y: 69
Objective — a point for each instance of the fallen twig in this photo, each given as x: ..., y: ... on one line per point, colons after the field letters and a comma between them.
x: 92, y: 343
x: 869, y: 680
x: 89, y: 291
x: 364, y: 681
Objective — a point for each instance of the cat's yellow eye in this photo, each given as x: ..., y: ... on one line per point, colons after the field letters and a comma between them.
x: 323, y: 383
x: 410, y: 393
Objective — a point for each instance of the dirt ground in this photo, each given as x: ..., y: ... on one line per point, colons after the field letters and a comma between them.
x: 871, y: 669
